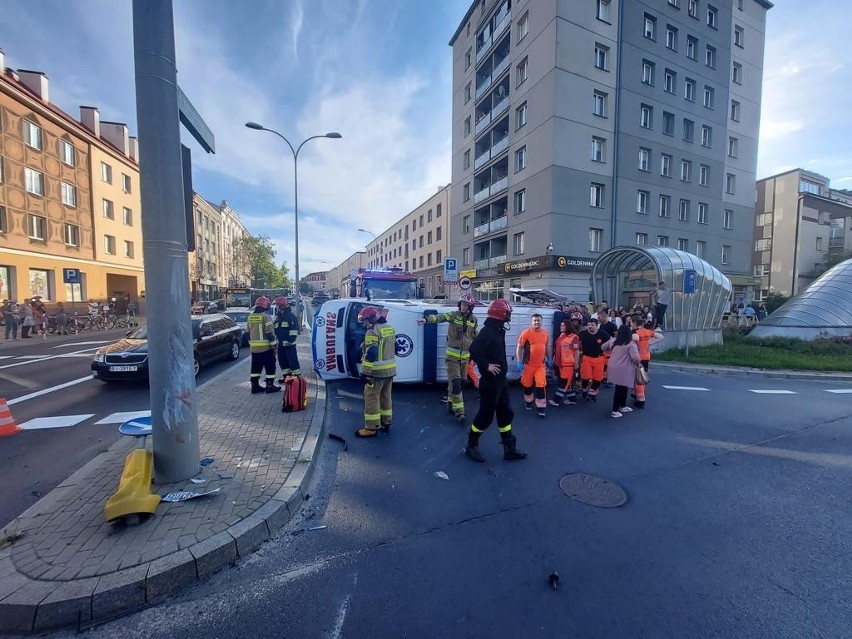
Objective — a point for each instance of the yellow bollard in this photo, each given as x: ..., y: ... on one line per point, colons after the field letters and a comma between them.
x: 134, y: 496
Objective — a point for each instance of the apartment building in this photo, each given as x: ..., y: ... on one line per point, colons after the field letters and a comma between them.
x: 233, y: 233
x: 580, y: 126
x: 800, y: 222
x: 417, y: 243
x: 51, y: 198
x: 317, y: 281
x: 205, y: 265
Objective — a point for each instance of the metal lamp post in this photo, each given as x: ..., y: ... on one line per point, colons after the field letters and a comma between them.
x: 333, y: 135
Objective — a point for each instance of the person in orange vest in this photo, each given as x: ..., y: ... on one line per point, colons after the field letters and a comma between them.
x: 647, y: 335
x: 566, y: 362
x: 531, y: 351
x: 592, y: 361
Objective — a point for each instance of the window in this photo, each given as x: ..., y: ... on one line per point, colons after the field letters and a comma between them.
x: 598, y: 150
x: 522, y: 71
x: 735, y: 111
x: 726, y: 254
x: 641, y: 239
x: 686, y: 170
x: 642, y: 198
x: 599, y: 108
x: 67, y: 153
x: 665, y: 165
x: 650, y: 31
x: 671, y: 37
x: 1, y: 170
x: 689, y: 90
x: 520, y: 116
x: 523, y: 26
x: 668, y: 123
x: 733, y: 145
x: 465, y: 193
x: 601, y: 57
x: 438, y: 234
x: 670, y: 81
x: 467, y: 126
x: 466, y: 224
x: 730, y: 183
x: 644, y: 159
x: 764, y: 219
x: 34, y: 181
x: 127, y: 216
x: 688, y: 130
x: 712, y: 17
x: 819, y: 244
x: 675, y: 3
x: 737, y: 73
x: 706, y: 136
x: 465, y: 256
x: 128, y: 249
x: 596, y: 195
x: 428, y: 237
x: 438, y: 211
x: 739, y: 36
x: 468, y: 58
x: 468, y: 92
x: 710, y: 57
x: 466, y: 160
x: 518, y: 243
x: 4, y: 228
x: 700, y: 248
x: 648, y: 72
x: 520, y: 201
x: 421, y: 261
x: 72, y: 235
x: 106, y: 173
x: 683, y: 211
x: 662, y: 240
x: 692, y: 8
x: 761, y: 270
x: 765, y: 244
x: 438, y: 256
x: 32, y: 134
x: 595, y: 240
x: 37, y: 227
x: 709, y: 95
x: 704, y: 175
x: 691, y: 47
x: 665, y: 206
x: 682, y: 244
x: 702, y: 213
x: 521, y: 159
x: 602, y: 12
x: 69, y: 194
x: 429, y: 260
x: 646, y: 117
x: 420, y: 242
x: 108, y: 209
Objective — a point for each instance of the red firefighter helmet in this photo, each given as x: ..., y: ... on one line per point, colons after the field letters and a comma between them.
x: 468, y: 299
x: 282, y: 301
x: 370, y: 314
x: 262, y: 301
x: 499, y: 309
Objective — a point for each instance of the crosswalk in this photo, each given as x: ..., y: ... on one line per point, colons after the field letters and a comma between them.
x: 66, y: 421
x: 761, y: 391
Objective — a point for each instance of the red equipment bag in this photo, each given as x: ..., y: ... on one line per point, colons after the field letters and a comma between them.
x: 295, y: 394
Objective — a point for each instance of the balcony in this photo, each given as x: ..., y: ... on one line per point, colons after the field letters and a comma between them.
x: 496, y: 261
x: 492, y: 226
x: 481, y: 264
x: 501, y: 146
x: 498, y: 31
x: 499, y: 185
x: 481, y: 195
x: 498, y: 70
x: 482, y: 123
x: 484, y: 86
x: 502, y: 105
x: 482, y: 159
x: 482, y: 229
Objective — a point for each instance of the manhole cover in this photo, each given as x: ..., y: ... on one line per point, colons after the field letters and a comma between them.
x: 592, y: 490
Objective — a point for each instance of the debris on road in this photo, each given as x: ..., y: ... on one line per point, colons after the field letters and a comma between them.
x: 196, y: 480
x: 553, y: 578
x: 206, y: 461
x: 441, y: 475
x: 186, y: 494
x: 316, y: 528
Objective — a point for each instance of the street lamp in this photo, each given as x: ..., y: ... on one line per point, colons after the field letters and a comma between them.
x: 370, y: 232
x: 334, y: 135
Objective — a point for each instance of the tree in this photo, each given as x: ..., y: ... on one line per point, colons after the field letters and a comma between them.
x: 774, y: 300
x: 284, y: 272
x: 256, y: 256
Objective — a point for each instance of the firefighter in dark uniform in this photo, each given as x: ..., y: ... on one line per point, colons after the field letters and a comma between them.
x: 262, y: 345
x: 286, y: 331
x: 488, y: 351
x: 378, y: 368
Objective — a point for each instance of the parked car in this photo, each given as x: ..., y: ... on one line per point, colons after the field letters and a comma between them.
x: 214, y: 337
x: 201, y: 308
x: 240, y: 316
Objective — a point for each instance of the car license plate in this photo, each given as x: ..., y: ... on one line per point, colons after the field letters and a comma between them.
x: 123, y: 369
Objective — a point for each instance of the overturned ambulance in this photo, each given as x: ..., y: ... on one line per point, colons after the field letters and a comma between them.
x: 336, y: 336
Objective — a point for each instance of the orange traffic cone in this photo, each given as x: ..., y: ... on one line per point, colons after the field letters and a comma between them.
x: 7, y: 422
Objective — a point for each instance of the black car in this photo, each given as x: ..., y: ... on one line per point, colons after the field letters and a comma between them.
x: 214, y: 337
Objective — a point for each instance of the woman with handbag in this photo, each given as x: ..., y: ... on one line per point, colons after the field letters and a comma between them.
x: 623, y: 362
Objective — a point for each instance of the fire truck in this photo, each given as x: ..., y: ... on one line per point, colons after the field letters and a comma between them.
x: 337, y: 336
x: 380, y: 284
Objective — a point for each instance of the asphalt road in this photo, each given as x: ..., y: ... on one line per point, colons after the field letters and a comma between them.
x: 36, y: 461
x: 737, y: 525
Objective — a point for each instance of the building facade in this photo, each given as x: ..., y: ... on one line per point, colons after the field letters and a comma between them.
x: 51, y: 199
x: 233, y: 234
x: 205, y: 264
x: 338, y: 278
x: 317, y: 281
x: 578, y: 127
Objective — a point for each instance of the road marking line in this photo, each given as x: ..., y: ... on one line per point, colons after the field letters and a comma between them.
x: 61, y: 421
x: 6, y: 356
x: 693, y: 388
x: 42, y: 357
x: 772, y: 392
x: 106, y: 341
x: 840, y: 390
x: 32, y: 356
x: 120, y: 418
x: 45, y: 391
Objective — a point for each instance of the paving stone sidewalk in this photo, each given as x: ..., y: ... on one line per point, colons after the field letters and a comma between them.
x: 68, y: 567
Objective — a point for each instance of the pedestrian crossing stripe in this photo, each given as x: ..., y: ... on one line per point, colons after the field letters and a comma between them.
x: 120, y: 418
x: 772, y: 392
x: 692, y: 388
x: 839, y: 390
x: 62, y: 421
x: 6, y: 356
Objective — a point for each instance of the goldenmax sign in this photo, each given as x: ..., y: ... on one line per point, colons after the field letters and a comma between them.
x: 546, y: 262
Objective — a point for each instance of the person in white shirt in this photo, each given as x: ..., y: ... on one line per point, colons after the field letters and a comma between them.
x: 663, y: 297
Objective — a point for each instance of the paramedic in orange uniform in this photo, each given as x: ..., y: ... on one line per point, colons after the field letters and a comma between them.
x: 647, y: 336
x: 532, y: 351
x: 592, y: 363
x: 566, y: 362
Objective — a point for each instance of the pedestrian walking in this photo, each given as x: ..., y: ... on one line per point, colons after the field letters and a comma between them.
x: 10, y: 319
x: 460, y: 333
x: 131, y: 313
x: 378, y: 368
x: 25, y: 316
x: 531, y: 355
x: 488, y: 351
x: 287, y: 332
x: 622, y: 368
x: 262, y: 344
x: 646, y: 336
x: 662, y: 296
x: 566, y: 363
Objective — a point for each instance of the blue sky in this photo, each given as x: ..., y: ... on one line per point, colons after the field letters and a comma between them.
x: 379, y: 72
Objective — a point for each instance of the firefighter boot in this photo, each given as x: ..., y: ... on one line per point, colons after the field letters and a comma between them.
x: 510, y: 451
x: 472, y: 449
x: 255, y: 386
x: 271, y: 387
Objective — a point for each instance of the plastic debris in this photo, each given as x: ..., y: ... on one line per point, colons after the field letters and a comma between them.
x: 253, y: 463
x: 196, y: 480
x: 441, y: 475
x: 553, y: 578
x: 316, y: 528
x: 187, y: 494
x: 206, y: 461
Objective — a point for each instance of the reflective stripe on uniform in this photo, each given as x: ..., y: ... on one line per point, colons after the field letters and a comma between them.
x: 505, y: 429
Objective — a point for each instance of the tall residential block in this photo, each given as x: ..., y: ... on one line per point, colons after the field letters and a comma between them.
x: 580, y: 126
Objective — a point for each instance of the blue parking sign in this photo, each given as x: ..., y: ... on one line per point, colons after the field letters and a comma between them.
x: 71, y: 275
